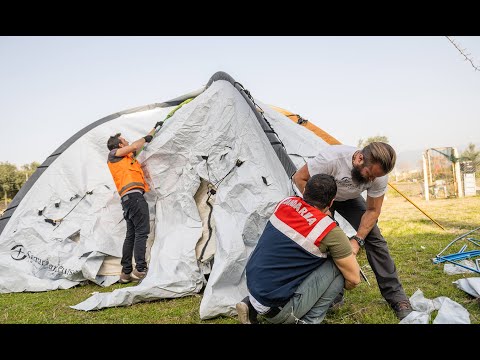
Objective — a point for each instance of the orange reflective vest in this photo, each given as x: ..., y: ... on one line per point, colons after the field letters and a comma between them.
x: 127, y: 175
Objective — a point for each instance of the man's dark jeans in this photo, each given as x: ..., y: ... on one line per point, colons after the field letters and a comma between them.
x: 376, y: 249
x: 135, y: 213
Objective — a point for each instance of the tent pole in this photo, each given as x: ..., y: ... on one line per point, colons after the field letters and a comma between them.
x: 411, y: 202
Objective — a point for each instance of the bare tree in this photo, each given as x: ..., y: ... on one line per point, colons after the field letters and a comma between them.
x: 463, y: 52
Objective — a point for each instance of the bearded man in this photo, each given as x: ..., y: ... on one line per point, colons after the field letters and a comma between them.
x: 356, y: 170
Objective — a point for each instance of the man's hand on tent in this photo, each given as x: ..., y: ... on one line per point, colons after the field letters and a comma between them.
x: 159, y: 124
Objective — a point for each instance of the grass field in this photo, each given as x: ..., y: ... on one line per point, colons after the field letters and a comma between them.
x: 413, y: 241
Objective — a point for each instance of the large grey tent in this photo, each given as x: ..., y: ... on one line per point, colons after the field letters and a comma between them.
x: 216, y: 169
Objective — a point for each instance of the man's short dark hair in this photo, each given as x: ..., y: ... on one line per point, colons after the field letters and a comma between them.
x: 320, y: 190
x: 113, y: 142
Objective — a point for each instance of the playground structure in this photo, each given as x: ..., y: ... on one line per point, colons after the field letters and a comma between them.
x: 467, y: 169
x: 441, y: 173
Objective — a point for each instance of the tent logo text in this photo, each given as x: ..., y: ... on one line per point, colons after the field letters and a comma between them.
x: 18, y: 253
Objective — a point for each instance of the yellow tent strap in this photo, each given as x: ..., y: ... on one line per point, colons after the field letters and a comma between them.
x: 170, y: 114
x: 411, y: 202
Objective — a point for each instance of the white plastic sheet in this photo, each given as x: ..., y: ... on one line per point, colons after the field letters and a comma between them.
x: 449, y: 311
x: 452, y: 269
x: 469, y: 285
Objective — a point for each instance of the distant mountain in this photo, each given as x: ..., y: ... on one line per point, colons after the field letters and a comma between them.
x: 412, y: 159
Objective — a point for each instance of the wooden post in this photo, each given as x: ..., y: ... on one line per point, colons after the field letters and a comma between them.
x: 429, y: 168
x: 425, y: 177
x: 456, y: 167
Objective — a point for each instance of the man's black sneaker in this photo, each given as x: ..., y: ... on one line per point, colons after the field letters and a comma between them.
x: 246, y: 312
x: 402, y: 309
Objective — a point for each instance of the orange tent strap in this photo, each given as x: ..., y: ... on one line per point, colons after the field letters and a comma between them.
x: 329, y: 139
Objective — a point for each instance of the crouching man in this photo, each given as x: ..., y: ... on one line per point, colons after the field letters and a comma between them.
x: 302, y: 261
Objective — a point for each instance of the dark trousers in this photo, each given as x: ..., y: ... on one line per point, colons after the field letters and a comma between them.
x: 135, y: 213
x: 376, y: 249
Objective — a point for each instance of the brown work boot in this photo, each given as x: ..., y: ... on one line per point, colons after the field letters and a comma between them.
x: 402, y: 309
x: 125, y: 278
x: 246, y: 312
x: 138, y: 275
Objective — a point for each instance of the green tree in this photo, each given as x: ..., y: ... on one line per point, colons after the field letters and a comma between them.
x: 12, y: 179
x: 471, y: 154
x: 362, y: 143
x: 9, y: 180
x: 28, y: 170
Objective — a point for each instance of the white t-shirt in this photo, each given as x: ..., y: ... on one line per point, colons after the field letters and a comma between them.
x: 336, y: 160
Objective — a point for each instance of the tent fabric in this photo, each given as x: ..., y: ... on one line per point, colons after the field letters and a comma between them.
x: 329, y: 139
x: 269, y: 131
x: 216, y: 141
x: 36, y: 256
x: 28, y: 185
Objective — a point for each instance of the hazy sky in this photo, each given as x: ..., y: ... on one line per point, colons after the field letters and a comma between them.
x: 417, y: 91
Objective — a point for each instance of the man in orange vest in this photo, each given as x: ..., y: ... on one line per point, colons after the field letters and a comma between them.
x: 130, y: 181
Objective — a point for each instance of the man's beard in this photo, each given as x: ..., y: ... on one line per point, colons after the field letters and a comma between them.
x: 357, y: 176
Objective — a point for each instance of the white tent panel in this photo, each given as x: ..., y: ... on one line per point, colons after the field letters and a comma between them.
x: 215, y: 139
x: 46, y: 257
